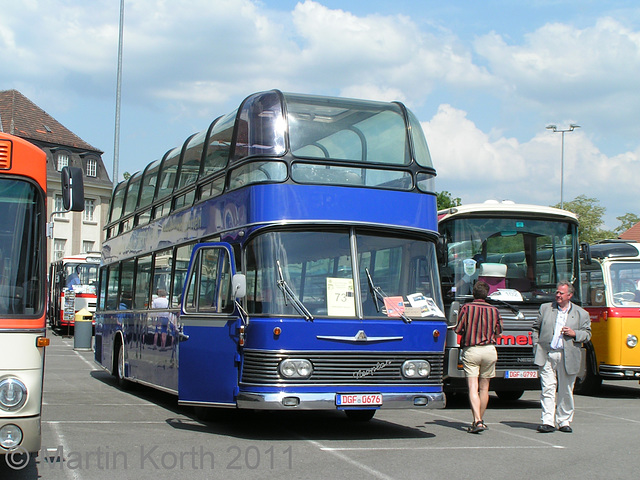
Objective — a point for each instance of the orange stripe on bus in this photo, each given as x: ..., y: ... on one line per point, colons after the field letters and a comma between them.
x: 22, y: 323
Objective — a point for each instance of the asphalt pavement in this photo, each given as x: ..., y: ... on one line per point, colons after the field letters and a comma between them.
x: 91, y: 429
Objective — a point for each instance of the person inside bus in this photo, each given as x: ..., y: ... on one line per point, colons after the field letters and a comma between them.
x: 162, y: 318
x: 558, y: 333
x: 479, y: 326
x: 74, y: 278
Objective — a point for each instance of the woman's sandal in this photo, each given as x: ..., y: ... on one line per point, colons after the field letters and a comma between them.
x: 483, y: 425
x: 476, y: 427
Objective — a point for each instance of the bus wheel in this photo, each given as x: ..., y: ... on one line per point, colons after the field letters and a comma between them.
x: 509, y: 395
x: 360, y: 415
x: 119, y: 370
x: 590, y: 383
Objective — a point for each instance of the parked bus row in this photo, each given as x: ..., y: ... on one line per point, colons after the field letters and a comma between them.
x: 23, y: 287
x: 290, y: 256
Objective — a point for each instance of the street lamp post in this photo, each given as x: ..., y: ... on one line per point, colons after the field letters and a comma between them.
x: 555, y: 129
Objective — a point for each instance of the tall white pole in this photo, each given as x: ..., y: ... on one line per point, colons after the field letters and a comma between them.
x: 562, y: 174
x: 116, y: 139
x: 555, y: 129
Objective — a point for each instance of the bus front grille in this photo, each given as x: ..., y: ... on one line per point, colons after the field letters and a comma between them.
x: 515, y: 358
x: 261, y: 367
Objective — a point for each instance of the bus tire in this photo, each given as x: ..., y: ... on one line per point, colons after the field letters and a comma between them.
x: 591, y: 383
x: 360, y: 415
x: 509, y: 395
x: 123, y: 383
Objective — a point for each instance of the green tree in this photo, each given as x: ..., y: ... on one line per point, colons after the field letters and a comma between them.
x: 445, y: 200
x: 627, y: 221
x: 590, y: 213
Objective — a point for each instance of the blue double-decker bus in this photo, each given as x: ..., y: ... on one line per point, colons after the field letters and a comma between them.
x: 283, y: 258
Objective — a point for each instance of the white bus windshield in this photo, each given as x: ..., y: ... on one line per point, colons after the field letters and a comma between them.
x: 521, y: 259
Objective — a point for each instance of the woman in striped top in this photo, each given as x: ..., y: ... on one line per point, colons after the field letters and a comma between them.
x: 479, y: 326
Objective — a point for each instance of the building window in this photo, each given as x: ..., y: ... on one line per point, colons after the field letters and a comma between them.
x: 62, y: 160
x: 87, y: 246
x: 59, y: 207
x: 92, y: 167
x: 89, y: 208
x: 58, y: 248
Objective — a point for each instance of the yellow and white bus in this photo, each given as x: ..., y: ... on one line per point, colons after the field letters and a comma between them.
x: 611, y: 295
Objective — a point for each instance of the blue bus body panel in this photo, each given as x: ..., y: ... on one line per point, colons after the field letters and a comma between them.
x: 209, y: 363
x: 277, y: 203
x: 281, y: 202
x: 340, y: 334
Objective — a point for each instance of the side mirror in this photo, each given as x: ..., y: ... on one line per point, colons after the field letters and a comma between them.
x: 585, y: 253
x: 239, y: 285
x: 441, y: 252
x: 72, y: 189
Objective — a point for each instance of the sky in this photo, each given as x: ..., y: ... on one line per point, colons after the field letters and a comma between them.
x: 483, y: 77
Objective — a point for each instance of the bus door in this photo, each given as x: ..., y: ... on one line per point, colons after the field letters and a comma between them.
x: 209, y: 353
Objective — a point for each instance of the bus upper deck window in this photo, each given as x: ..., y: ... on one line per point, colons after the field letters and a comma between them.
x: 261, y: 126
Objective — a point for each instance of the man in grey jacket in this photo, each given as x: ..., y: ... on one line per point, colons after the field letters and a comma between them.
x: 558, y: 332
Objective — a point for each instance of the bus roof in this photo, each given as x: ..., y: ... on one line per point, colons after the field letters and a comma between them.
x: 613, y: 248
x: 495, y: 208
x: 20, y: 157
x: 89, y: 257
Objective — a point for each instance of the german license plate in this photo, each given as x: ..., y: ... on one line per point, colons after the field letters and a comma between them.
x: 359, y: 399
x: 521, y: 374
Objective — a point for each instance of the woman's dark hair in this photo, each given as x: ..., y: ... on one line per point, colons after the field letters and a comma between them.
x: 480, y: 290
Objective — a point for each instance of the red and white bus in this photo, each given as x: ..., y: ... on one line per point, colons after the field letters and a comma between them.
x: 23, y: 288
x: 73, y: 287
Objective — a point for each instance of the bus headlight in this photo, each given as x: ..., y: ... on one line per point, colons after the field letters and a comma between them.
x: 10, y: 436
x: 13, y: 394
x: 416, y: 369
x: 295, y: 368
x: 632, y: 341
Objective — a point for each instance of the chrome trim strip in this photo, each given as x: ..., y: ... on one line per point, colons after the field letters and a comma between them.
x: 153, y: 385
x: 361, y: 336
x: 206, y: 404
x: 327, y: 401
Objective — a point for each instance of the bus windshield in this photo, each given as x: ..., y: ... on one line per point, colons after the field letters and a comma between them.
x: 373, y: 134
x: 21, y: 221
x: 86, y: 273
x: 316, y: 269
x: 625, y: 283
x: 520, y: 258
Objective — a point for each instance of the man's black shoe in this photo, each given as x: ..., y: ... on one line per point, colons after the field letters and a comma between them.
x: 546, y: 428
x: 566, y: 429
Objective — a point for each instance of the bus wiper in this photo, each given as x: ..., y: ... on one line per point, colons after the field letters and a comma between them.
x: 288, y: 293
x: 378, y: 295
x: 519, y: 315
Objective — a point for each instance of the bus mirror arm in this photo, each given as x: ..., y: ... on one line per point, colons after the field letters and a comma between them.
x: 585, y: 253
x: 182, y: 337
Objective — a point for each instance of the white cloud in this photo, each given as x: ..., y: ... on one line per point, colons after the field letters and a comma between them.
x: 187, y: 61
x: 475, y: 167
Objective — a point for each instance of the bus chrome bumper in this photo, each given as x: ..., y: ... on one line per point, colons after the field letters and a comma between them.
x: 327, y: 401
x: 619, y: 372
